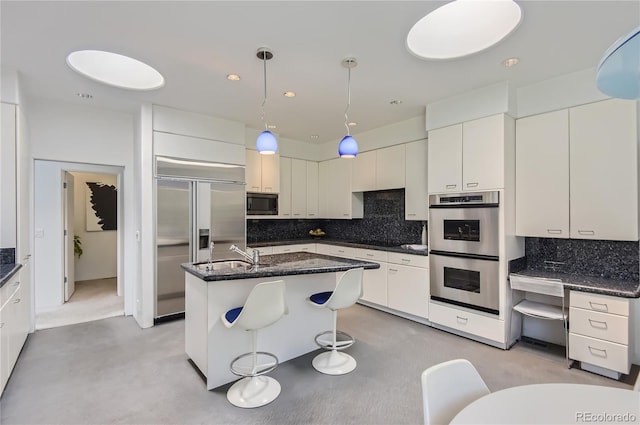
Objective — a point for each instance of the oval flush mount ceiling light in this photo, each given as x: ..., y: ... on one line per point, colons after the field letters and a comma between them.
x: 463, y: 27
x: 618, y: 73
x: 115, y: 70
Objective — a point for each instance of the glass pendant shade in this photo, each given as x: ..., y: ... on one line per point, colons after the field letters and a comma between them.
x: 267, y: 143
x: 618, y: 72
x: 348, y: 147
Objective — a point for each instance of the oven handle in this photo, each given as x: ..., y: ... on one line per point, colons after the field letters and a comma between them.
x: 463, y: 255
x: 456, y: 206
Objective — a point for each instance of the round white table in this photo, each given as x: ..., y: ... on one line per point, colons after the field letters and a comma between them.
x: 553, y: 404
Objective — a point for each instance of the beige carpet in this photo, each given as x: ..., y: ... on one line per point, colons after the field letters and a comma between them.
x: 92, y: 300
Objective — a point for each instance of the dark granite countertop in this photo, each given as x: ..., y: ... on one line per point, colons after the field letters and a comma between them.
x: 7, y: 271
x: 354, y: 244
x: 593, y: 284
x: 295, y: 263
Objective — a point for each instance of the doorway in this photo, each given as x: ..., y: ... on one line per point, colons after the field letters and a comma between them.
x: 88, y: 232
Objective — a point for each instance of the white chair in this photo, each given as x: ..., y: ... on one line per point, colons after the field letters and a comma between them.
x: 542, y: 310
x: 348, y: 290
x: 449, y: 387
x: 264, y: 306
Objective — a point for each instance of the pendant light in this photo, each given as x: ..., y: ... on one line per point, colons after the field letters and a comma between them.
x: 618, y: 73
x: 348, y: 147
x: 266, y: 142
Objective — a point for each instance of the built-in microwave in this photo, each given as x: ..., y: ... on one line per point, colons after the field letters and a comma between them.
x: 262, y: 203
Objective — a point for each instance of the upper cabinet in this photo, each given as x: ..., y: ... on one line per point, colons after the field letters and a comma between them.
x: 577, y: 172
x: 298, y: 188
x: 416, y: 193
x: 312, y: 189
x: 335, y: 197
x: 262, y: 172
x: 298, y: 197
x: 379, y: 169
x: 8, y: 218
x: 284, y: 197
x: 469, y: 156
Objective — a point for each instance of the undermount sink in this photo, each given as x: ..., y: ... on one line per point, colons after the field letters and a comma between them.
x: 223, y: 265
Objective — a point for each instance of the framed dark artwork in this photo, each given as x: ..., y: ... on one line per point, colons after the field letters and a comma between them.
x: 102, y: 207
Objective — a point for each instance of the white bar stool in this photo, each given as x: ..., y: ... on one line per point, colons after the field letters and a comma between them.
x: 348, y: 290
x: 264, y: 306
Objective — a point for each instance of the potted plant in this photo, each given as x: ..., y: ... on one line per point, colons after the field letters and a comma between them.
x: 77, y: 246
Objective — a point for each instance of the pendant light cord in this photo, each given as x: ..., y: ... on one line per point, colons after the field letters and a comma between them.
x: 346, y: 116
x: 264, y: 62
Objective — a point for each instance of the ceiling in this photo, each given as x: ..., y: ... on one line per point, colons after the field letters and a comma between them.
x: 196, y: 44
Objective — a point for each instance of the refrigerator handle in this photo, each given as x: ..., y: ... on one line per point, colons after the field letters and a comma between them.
x: 203, y: 238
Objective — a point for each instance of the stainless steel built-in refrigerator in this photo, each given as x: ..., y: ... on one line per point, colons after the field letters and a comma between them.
x: 196, y: 203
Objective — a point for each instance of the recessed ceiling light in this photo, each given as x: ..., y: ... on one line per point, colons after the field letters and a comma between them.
x: 272, y: 126
x: 352, y: 123
x: 395, y: 102
x: 289, y: 94
x: 509, y: 62
x: 233, y: 77
x: 463, y: 27
x: 314, y: 136
x: 84, y: 95
x: 115, y: 70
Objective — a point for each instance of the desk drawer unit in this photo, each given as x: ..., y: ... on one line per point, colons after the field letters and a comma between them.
x: 608, y: 355
x: 600, y: 303
x: 609, y: 327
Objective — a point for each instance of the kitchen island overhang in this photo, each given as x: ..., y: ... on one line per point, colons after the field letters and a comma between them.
x: 209, y: 294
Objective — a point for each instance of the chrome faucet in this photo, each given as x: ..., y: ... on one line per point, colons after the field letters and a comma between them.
x: 253, y: 260
x: 211, y: 245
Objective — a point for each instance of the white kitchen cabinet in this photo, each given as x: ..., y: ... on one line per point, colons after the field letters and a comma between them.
x: 263, y: 250
x: 14, y: 327
x: 600, y: 333
x: 603, y: 142
x: 374, y: 281
x: 468, y: 322
x: 303, y: 247
x: 336, y: 250
x: 262, y: 172
x: 570, y: 164
x: 363, y: 173
x: 286, y: 188
x: 8, y: 217
x: 408, y: 286
x: 469, y: 156
x: 542, y: 175
x: 390, y: 167
x: 416, y: 191
x: 298, y: 188
x: 312, y: 189
x: 336, y: 199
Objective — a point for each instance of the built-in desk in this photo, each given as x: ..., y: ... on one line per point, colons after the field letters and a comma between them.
x: 212, y: 347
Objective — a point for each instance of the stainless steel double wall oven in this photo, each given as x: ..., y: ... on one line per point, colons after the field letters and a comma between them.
x: 464, y: 249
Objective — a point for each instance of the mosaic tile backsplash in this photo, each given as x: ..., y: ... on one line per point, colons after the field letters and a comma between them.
x: 383, y: 223
x: 7, y: 255
x: 608, y: 259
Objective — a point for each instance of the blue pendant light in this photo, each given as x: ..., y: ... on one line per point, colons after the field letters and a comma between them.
x: 618, y: 72
x: 266, y: 142
x: 348, y: 147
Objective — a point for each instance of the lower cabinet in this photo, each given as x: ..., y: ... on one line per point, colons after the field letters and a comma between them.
x: 599, y: 333
x: 468, y: 322
x: 14, y: 327
x: 374, y: 281
x: 304, y: 247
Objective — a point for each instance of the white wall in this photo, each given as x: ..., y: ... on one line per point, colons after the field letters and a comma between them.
x: 81, y: 134
x: 99, y: 258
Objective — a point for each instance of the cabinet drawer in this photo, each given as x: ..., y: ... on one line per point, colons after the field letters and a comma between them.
x: 601, y: 303
x: 408, y: 259
x: 263, y: 250
x: 337, y: 251
x: 8, y: 289
x: 608, y: 355
x: 474, y: 324
x: 281, y: 249
x: 372, y: 255
x: 609, y: 327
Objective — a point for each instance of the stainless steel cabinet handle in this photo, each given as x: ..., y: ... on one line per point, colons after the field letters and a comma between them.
x: 393, y: 270
x: 411, y: 214
x: 598, y: 306
x: 451, y: 186
x: 462, y: 319
x: 472, y: 184
x: 346, y: 215
x: 16, y: 283
x: 311, y: 215
x: 586, y: 232
x: 369, y: 255
x: 598, y: 324
x: 554, y: 231
x: 255, y: 187
x: 296, y: 214
x: 406, y: 260
x: 16, y: 301
x: 599, y: 352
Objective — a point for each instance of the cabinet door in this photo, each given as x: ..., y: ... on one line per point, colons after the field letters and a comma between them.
x: 408, y: 289
x: 4, y: 346
x: 483, y: 153
x: 19, y: 327
x: 324, y: 189
x: 390, y: 167
x: 253, y: 171
x: 604, y: 167
x: 363, y: 174
x: 271, y: 173
x: 8, y: 218
x: 542, y: 175
x: 416, y: 196
x: 312, y: 189
x: 445, y: 159
x: 286, y: 191
x: 374, y: 285
x: 299, y: 188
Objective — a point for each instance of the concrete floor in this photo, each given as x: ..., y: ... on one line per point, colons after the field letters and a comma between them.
x: 112, y: 372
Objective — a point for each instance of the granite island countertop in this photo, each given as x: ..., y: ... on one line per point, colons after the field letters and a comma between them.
x: 593, y: 284
x: 295, y: 263
x: 353, y: 244
x: 7, y: 271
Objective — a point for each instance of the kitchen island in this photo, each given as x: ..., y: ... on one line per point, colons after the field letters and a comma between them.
x: 209, y: 294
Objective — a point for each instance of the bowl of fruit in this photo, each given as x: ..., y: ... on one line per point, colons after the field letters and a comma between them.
x: 316, y: 233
